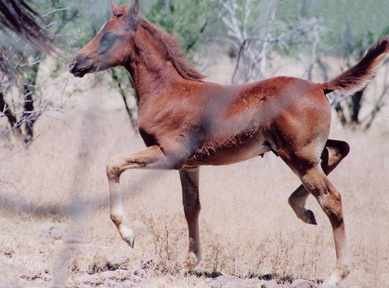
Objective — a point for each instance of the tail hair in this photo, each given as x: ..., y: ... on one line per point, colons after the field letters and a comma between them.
x: 357, y: 77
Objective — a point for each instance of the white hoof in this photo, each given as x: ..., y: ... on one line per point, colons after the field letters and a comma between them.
x: 128, y: 235
x: 333, y: 280
x: 341, y: 272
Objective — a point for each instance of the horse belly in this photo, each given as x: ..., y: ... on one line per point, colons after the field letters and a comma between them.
x: 228, y: 154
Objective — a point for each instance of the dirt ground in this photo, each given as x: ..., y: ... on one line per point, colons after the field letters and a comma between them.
x: 56, y: 231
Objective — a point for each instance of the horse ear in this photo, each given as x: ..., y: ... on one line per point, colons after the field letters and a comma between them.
x: 132, y: 15
x: 114, y: 8
x: 135, y: 8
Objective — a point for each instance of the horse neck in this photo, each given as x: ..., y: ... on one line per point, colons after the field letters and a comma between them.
x: 150, y: 71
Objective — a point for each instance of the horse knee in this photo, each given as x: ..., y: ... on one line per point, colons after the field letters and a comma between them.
x: 113, y: 169
x: 326, y: 194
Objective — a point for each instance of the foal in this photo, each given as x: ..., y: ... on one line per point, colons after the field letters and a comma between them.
x: 186, y: 123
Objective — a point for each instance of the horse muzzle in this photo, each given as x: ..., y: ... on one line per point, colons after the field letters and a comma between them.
x: 80, y: 65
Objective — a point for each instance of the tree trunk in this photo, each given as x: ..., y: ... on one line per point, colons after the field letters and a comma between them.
x: 340, y: 112
x: 355, y: 106
x: 4, y: 108
x: 29, y: 87
x: 133, y: 121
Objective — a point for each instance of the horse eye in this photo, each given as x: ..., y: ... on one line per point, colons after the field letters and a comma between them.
x: 107, y: 41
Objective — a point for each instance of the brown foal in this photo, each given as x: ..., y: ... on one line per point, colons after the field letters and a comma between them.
x: 186, y: 122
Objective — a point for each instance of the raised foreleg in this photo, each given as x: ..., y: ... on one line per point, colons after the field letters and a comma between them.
x: 191, y: 201
x: 150, y: 158
x: 333, y: 153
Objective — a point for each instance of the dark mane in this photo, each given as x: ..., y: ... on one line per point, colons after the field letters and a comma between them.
x: 170, y: 48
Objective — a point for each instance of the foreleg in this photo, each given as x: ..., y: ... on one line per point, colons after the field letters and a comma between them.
x: 191, y: 201
x: 150, y: 158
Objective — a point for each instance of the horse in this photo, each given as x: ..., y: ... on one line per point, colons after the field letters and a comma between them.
x: 187, y: 122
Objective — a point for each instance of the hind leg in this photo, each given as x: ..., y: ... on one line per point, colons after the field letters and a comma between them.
x: 333, y: 153
x: 306, y: 164
x: 329, y: 198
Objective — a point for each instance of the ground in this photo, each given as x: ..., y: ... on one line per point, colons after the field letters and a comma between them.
x: 56, y: 231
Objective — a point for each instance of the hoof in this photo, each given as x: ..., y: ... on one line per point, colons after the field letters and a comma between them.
x: 310, y: 218
x: 338, y: 275
x: 130, y: 240
x: 128, y: 235
x: 192, y: 261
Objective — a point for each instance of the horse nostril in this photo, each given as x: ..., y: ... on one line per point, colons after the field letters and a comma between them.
x: 82, y: 59
x: 80, y: 65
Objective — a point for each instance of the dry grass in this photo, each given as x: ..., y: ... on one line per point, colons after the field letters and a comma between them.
x: 246, y: 225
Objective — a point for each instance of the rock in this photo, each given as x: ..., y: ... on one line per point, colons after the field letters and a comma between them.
x: 111, y: 262
x: 117, y: 261
x: 47, y: 277
x: 141, y: 273
x: 93, y: 280
x: 130, y: 284
x: 301, y: 283
x: 117, y: 275
x: 270, y: 284
x: 221, y: 281
x: 233, y: 282
x: 136, y: 279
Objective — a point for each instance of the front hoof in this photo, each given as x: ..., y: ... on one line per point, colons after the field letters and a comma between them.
x: 128, y: 235
x: 130, y: 240
x: 192, y: 260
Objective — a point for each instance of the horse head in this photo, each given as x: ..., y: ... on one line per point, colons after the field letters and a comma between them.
x: 110, y: 47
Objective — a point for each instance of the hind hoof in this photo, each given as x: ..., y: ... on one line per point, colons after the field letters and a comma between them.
x: 310, y: 218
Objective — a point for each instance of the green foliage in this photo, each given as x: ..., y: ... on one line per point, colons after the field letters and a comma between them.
x: 184, y: 18
x: 346, y: 26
